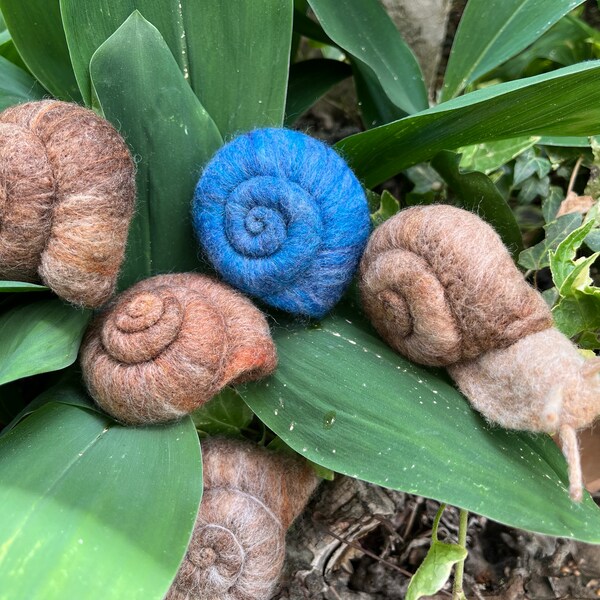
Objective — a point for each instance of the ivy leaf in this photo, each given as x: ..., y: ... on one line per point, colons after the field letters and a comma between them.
x: 536, y: 257
x: 529, y: 164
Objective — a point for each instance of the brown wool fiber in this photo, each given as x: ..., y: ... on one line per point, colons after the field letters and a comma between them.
x: 251, y: 497
x: 67, y: 194
x: 169, y: 344
x: 440, y: 287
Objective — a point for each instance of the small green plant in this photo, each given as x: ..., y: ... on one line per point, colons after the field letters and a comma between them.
x: 91, y: 509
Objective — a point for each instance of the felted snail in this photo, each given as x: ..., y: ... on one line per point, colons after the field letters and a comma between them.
x: 440, y: 287
x: 282, y: 217
x: 251, y: 497
x: 169, y: 344
x: 67, y: 194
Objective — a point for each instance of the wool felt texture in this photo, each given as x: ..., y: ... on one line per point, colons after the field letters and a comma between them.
x: 169, y: 344
x: 251, y: 497
x: 67, y: 194
x: 440, y: 287
x: 283, y: 218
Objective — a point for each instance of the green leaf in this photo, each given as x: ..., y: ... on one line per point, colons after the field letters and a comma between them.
x: 364, y: 30
x: 529, y: 164
x: 139, y: 87
x: 234, y: 54
x: 491, y: 156
x: 91, y: 509
x: 492, y: 31
x: 375, y: 107
x: 562, y: 261
x: 579, y: 312
x: 16, y: 86
x: 37, y: 31
x: 565, y: 102
x: 39, y: 337
x: 477, y: 193
x: 536, y: 257
x: 435, y: 570
x: 21, y: 286
x: 227, y: 414
x: 388, y: 207
x: 309, y: 80
x: 343, y: 399
x: 565, y: 141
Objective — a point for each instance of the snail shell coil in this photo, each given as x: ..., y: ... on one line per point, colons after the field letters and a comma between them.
x: 171, y: 343
x: 67, y: 193
x: 282, y: 217
x: 251, y: 496
x: 440, y: 287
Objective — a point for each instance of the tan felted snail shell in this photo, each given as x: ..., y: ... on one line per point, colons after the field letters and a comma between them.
x: 251, y: 497
x: 169, y: 344
x: 440, y: 287
x: 67, y: 194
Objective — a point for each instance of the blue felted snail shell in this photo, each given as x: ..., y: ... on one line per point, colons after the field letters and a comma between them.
x: 282, y: 217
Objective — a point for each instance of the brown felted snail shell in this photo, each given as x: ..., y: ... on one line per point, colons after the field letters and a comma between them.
x: 169, y: 344
x: 251, y: 497
x: 67, y: 194
x: 440, y: 287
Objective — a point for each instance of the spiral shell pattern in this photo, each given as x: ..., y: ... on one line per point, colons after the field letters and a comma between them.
x: 440, y: 287
x: 251, y: 496
x: 169, y: 344
x: 67, y: 194
x: 282, y: 217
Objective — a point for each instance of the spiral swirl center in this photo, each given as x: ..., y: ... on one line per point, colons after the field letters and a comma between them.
x: 140, y: 312
x: 142, y: 326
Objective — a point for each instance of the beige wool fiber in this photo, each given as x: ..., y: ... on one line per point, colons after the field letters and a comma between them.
x: 169, y: 344
x: 251, y: 497
x: 440, y: 287
x: 67, y: 194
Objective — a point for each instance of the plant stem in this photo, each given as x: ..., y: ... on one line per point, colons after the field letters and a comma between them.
x: 457, y: 588
x: 574, y: 175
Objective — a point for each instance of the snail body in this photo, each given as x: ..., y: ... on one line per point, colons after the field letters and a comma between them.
x: 283, y: 218
x: 169, y: 344
x: 67, y: 194
x: 440, y: 287
x: 251, y: 496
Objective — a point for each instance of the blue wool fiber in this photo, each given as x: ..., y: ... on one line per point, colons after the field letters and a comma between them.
x: 283, y: 218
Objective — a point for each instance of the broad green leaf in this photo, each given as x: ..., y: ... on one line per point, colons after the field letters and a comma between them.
x: 234, y: 54
x: 310, y: 29
x: 565, y: 141
x: 492, y: 31
x: 343, y: 399
x: 38, y: 337
x: 565, y: 102
x: 491, y: 156
x: 16, y: 86
x: 388, y: 207
x: 139, y: 87
x: 435, y: 570
x: 579, y: 312
x: 477, y: 193
x: 21, y: 286
x: 375, y: 107
x: 537, y: 257
x: 91, y: 509
x: 227, y: 414
x: 308, y: 81
x: 364, y: 30
x: 36, y: 30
